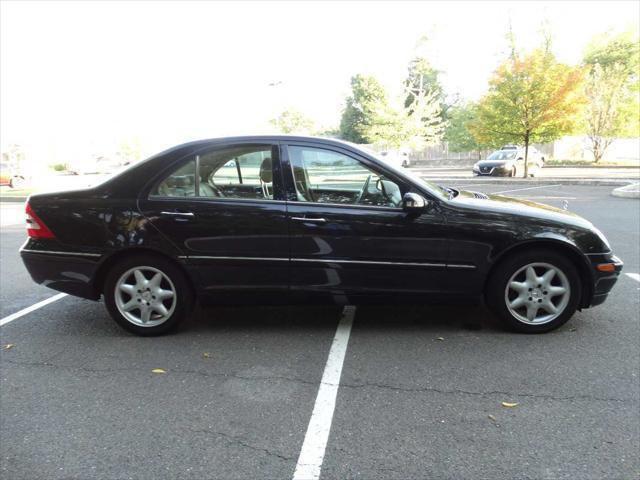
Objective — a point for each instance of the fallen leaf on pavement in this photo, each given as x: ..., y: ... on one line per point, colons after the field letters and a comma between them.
x: 491, y: 417
x: 509, y: 405
x: 158, y: 370
x: 8, y: 346
x: 206, y: 355
x: 440, y: 338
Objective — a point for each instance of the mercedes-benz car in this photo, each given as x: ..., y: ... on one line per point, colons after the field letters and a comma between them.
x: 509, y: 162
x: 283, y: 219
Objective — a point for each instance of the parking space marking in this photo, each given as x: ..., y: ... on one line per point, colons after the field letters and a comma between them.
x: 30, y: 309
x: 527, y: 188
x: 635, y: 276
x: 315, y: 440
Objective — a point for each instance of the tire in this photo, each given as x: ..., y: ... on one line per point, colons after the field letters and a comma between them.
x: 514, y: 271
x: 122, y: 305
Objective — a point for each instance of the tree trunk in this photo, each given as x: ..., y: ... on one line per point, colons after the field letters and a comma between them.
x: 526, y: 155
x: 597, y: 150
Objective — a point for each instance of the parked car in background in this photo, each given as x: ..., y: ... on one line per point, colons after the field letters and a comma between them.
x: 10, y: 176
x: 283, y: 219
x: 509, y: 162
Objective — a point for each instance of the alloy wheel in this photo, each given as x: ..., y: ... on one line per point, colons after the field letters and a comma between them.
x: 145, y: 296
x: 537, y: 293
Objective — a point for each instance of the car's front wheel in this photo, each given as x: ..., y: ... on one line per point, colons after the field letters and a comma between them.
x: 147, y: 295
x: 534, y: 292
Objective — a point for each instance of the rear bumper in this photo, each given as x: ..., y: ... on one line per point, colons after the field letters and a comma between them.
x: 68, y: 272
x: 603, y: 281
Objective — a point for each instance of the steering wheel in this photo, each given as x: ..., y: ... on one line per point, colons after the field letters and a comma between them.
x: 364, y: 189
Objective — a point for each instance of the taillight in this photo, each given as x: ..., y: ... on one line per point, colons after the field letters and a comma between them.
x: 36, y: 227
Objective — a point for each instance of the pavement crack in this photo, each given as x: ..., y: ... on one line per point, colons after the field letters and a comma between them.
x: 458, y: 391
x: 233, y: 440
x: 383, y: 386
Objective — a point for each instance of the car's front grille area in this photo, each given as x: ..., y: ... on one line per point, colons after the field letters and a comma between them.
x: 479, y: 195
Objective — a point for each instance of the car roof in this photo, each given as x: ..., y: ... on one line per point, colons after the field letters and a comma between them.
x: 267, y: 138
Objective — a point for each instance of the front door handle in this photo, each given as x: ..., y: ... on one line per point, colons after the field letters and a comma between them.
x: 309, y: 220
x: 178, y: 214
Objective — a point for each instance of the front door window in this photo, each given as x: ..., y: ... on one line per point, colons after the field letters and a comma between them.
x: 325, y: 176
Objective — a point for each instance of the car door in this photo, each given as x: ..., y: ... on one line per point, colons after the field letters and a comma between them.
x: 349, y: 235
x: 224, y: 209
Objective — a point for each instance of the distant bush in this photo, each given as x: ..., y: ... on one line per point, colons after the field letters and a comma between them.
x: 59, y: 167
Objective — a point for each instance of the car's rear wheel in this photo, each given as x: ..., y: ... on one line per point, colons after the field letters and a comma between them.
x: 147, y: 295
x: 534, y: 292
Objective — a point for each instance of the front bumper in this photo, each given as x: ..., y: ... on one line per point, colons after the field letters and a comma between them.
x: 491, y: 171
x: 603, y: 281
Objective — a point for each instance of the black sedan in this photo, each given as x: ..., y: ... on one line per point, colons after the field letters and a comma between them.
x: 278, y: 220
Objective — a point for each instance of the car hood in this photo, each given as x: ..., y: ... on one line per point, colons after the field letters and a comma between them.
x: 492, y: 163
x: 519, y: 207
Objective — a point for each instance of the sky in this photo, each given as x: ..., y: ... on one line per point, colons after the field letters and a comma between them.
x: 79, y: 78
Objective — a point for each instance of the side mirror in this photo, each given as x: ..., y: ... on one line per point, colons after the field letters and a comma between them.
x: 412, y: 202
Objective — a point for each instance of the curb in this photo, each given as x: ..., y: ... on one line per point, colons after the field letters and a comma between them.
x: 606, y: 182
x: 13, y: 199
x: 628, y: 191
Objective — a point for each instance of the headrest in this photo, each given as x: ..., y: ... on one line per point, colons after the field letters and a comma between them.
x: 266, y: 172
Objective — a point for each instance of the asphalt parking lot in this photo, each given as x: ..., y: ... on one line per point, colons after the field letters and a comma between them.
x: 420, y: 393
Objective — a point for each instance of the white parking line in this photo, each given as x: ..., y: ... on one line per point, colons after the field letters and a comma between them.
x: 30, y: 309
x: 635, y: 276
x: 528, y: 188
x: 315, y: 441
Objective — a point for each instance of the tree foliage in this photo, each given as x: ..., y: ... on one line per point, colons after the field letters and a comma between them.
x: 364, y: 108
x: 532, y: 98
x: 293, y: 121
x: 422, y: 78
x: 415, y: 126
x: 457, y: 134
x: 611, y: 89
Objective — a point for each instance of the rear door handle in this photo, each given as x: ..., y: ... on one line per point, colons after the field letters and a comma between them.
x: 309, y: 220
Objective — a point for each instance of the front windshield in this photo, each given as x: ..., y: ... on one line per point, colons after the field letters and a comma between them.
x: 502, y: 155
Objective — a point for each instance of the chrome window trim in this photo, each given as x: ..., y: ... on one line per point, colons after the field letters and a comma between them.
x: 346, y: 205
x: 53, y: 252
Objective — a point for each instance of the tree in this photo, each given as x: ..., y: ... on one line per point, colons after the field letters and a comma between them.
x: 532, y: 98
x: 422, y: 77
x: 364, y: 108
x: 414, y: 126
x: 611, y: 89
x: 293, y: 121
x: 457, y: 134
